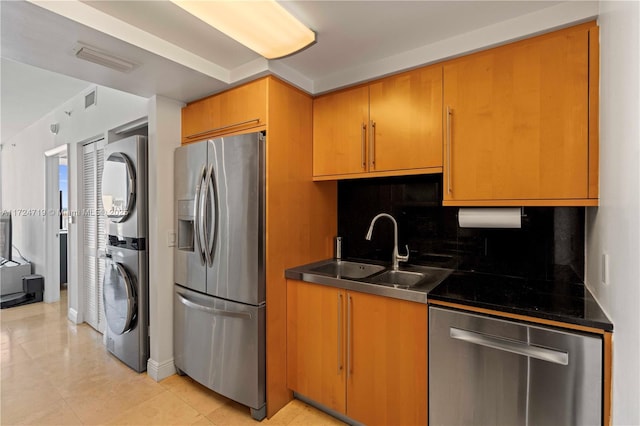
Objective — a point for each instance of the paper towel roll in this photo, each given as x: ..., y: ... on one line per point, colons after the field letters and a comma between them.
x: 490, y: 217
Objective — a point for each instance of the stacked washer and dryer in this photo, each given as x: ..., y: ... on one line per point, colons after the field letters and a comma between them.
x: 125, y: 285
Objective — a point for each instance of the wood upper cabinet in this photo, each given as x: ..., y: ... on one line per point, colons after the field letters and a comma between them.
x: 361, y: 355
x: 236, y: 110
x: 340, y: 122
x: 389, y: 127
x: 521, y: 122
x: 406, y: 120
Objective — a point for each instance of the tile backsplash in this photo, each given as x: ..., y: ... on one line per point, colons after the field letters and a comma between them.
x: 550, y: 236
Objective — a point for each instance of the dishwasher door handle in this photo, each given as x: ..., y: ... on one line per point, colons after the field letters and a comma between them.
x: 509, y: 345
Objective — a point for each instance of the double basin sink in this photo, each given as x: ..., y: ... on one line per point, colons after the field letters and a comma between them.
x: 373, y: 278
x: 356, y: 270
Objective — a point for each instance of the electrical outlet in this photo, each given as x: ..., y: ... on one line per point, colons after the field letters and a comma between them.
x: 604, y: 269
x: 171, y: 238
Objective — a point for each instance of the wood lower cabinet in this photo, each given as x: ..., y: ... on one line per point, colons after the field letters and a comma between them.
x: 387, y: 377
x: 390, y: 127
x: 316, y: 338
x: 361, y: 355
x: 521, y: 122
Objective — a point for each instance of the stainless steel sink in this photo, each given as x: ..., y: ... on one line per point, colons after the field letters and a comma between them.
x: 410, y: 282
x: 399, y: 279
x: 346, y: 269
x: 416, y: 276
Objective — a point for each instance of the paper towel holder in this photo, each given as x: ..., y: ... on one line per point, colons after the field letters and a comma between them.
x: 491, y: 217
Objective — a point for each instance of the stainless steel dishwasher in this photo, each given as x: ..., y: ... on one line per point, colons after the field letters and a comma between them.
x: 488, y: 371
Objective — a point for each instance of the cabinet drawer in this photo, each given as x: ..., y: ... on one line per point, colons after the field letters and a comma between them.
x: 221, y: 344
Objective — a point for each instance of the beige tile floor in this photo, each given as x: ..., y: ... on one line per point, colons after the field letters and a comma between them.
x: 58, y: 373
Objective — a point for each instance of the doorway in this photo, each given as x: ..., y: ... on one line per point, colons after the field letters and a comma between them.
x: 56, y: 204
x: 63, y: 190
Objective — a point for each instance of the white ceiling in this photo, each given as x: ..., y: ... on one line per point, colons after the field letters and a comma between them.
x: 180, y: 57
x: 30, y: 93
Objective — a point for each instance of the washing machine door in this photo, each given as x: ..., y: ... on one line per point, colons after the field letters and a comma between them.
x: 119, y: 298
x: 118, y: 187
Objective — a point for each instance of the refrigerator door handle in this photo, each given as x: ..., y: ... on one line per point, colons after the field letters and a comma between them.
x: 513, y: 346
x: 199, y: 216
x: 211, y: 202
x: 221, y: 312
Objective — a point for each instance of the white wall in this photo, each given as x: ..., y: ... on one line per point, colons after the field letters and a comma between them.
x: 23, y: 168
x: 1, y: 148
x: 164, y: 137
x: 614, y: 227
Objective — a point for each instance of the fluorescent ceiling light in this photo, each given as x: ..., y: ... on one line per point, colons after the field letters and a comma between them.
x: 263, y: 26
x: 104, y: 59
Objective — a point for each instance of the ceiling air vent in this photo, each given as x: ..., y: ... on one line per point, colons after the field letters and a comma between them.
x: 90, y: 98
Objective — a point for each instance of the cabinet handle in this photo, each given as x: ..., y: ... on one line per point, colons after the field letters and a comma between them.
x: 372, y: 153
x: 363, y: 137
x: 257, y: 120
x: 349, y: 336
x: 340, y: 333
x: 449, y: 166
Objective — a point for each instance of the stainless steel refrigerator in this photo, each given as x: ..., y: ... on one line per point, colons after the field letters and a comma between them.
x: 219, y: 267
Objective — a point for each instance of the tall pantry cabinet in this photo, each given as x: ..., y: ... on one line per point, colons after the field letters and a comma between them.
x: 300, y: 214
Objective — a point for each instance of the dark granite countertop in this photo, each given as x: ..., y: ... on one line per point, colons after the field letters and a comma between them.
x: 563, y: 298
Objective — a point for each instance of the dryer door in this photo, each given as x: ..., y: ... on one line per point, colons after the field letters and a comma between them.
x: 119, y: 298
x: 118, y: 187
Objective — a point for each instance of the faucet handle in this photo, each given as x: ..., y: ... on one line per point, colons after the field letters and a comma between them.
x: 404, y: 258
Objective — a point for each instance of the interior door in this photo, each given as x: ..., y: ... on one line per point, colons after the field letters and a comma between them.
x: 94, y: 234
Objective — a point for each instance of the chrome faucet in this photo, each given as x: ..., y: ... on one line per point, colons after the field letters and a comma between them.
x: 395, y: 257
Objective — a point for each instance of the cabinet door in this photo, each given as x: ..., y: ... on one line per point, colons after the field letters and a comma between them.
x: 243, y: 107
x: 518, y: 121
x: 233, y: 111
x: 197, y: 117
x: 387, y: 360
x: 340, y: 132
x: 315, y: 343
x: 406, y: 115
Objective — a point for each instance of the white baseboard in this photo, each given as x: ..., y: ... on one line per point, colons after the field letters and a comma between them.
x: 74, y: 316
x: 160, y: 370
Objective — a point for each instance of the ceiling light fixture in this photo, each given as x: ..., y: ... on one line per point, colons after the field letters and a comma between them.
x: 263, y: 26
x: 101, y: 58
